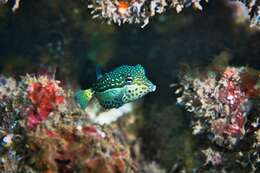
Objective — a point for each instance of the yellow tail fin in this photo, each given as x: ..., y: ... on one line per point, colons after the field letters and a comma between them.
x: 83, y: 97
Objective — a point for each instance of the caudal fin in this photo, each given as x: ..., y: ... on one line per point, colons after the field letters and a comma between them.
x: 83, y: 97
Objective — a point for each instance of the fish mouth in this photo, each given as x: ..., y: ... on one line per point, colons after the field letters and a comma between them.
x: 152, y: 88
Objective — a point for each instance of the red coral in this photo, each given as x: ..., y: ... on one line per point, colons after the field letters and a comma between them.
x: 45, y: 98
x: 232, y: 95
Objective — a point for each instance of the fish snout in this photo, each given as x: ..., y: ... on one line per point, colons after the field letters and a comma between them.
x: 152, y: 88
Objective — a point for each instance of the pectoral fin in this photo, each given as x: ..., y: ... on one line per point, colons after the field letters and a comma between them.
x: 111, y: 98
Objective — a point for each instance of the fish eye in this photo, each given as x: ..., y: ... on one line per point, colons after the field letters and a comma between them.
x: 129, y: 80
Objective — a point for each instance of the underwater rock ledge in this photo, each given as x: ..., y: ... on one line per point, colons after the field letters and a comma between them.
x: 42, y: 130
x: 141, y: 11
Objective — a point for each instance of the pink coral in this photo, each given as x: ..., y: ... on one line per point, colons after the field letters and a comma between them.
x: 219, y: 101
x: 212, y: 157
x: 235, y: 98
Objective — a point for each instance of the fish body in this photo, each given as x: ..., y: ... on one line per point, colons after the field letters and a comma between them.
x: 113, y: 89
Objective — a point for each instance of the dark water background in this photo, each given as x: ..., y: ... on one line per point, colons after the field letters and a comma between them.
x: 61, y: 33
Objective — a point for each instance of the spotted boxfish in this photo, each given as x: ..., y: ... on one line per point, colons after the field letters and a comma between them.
x: 113, y: 89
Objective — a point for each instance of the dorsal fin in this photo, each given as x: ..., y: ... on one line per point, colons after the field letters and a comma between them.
x: 98, y: 72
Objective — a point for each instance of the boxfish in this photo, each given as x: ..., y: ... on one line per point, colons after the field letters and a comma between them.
x: 113, y: 89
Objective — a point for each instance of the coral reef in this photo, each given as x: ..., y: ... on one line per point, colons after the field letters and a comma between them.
x: 222, y: 100
x: 41, y: 130
x: 136, y: 11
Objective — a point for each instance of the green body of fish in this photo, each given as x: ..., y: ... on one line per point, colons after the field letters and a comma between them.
x: 113, y: 89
